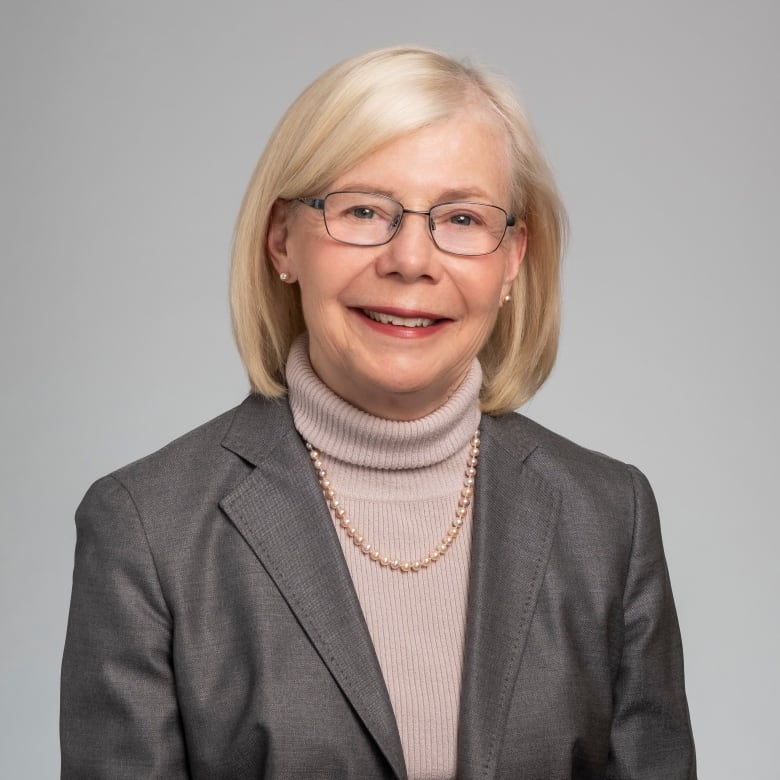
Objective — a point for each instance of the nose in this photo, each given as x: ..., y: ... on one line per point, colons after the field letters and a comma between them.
x: 411, y: 255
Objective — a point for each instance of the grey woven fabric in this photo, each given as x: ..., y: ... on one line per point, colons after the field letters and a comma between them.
x: 214, y: 630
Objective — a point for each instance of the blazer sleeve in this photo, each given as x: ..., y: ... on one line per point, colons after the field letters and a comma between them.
x: 118, y: 716
x: 651, y: 734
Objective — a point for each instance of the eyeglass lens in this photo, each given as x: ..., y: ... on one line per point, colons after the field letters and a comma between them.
x: 368, y: 219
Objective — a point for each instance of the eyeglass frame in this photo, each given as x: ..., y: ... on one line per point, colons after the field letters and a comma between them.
x: 319, y: 205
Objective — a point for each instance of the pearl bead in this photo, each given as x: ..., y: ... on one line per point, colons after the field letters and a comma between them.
x: 405, y: 566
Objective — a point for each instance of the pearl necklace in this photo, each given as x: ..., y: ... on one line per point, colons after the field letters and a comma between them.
x: 373, y: 552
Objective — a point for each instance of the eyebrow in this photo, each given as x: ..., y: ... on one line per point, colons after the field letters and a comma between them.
x: 465, y: 194
x: 455, y: 194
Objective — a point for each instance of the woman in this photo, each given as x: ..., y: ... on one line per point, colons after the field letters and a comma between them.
x: 474, y: 595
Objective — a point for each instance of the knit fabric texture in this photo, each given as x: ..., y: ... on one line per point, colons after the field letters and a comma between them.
x: 400, y: 483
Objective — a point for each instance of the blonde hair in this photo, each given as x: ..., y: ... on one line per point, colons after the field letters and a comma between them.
x: 349, y: 112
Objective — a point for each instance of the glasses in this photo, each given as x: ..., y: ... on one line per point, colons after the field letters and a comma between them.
x: 368, y: 219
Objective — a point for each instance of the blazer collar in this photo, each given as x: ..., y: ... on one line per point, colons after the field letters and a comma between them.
x: 515, y: 515
x: 280, y: 512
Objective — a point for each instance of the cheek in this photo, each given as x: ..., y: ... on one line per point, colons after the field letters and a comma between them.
x: 322, y: 290
x: 481, y: 289
x: 298, y: 250
x: 484, y: 301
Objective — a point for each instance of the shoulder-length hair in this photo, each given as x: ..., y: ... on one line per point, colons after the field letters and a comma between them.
x: 348, y: 113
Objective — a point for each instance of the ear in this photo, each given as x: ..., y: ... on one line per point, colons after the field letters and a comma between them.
x: 276, y: 237
x: 515, y: 256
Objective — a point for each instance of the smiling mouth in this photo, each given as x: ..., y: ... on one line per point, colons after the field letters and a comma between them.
x: 403, y: 322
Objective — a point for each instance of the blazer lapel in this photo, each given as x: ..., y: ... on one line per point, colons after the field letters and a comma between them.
x: 280, y: 512
x: 515, y: 513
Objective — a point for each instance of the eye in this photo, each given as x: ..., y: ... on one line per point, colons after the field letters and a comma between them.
x: 458, y: 216
x: 360, y: 208
x: 464, y: 220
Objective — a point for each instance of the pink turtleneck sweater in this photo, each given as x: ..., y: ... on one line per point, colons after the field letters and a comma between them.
x: 400, y: 483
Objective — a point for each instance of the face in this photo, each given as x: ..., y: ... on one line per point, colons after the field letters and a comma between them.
x: 394, y: 329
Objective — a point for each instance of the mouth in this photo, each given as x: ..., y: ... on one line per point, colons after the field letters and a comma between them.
x: 401, y: 322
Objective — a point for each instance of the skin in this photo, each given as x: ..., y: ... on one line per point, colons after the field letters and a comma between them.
x: 395, y: 371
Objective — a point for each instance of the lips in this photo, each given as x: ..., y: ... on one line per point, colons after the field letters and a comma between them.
x: 401, y: 322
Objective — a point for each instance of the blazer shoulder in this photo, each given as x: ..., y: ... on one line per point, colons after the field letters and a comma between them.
x: 245, y: 430
x: 518, y: 431
x: 204, y: 463
x: 572, y: 469
x: 189, y: 447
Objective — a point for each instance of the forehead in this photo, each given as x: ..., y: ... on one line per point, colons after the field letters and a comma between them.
x: 462, y: 156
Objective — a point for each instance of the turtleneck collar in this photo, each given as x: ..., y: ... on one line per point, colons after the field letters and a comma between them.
x: 353, y: 436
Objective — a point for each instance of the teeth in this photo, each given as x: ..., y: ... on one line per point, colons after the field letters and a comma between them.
x: 390, y: 319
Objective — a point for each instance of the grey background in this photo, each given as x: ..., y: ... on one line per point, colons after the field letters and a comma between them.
x: 128, y: 134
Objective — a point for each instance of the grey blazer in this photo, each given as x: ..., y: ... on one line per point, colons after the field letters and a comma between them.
x: 214, y: 631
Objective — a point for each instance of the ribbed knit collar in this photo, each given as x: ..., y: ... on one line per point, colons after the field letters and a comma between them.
x: 353, y: 436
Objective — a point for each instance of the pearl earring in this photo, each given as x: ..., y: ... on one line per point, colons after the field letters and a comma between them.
x: 506, y: 299
x: 283, y: 276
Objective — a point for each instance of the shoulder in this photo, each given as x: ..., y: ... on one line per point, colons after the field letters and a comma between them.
x: 519, y: 435
x: 198, y: 467
x: 604, y: 510
x: 589, y: 481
